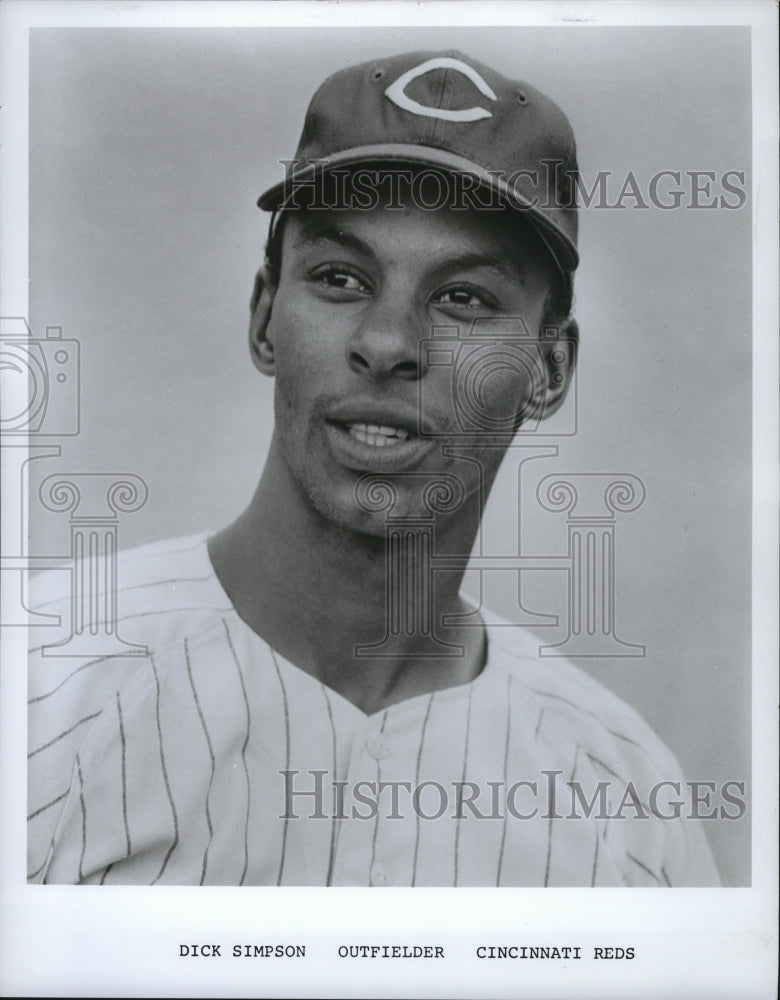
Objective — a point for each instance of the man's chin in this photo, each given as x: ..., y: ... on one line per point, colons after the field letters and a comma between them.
x: 351, y: 517
x: 366, y: 502
x: 369, y: 505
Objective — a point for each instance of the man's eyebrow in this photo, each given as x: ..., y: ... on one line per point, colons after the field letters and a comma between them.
x: 314, y: 235
x: 507, y: 267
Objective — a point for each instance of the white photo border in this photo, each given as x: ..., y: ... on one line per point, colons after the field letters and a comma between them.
x: 60, y: 941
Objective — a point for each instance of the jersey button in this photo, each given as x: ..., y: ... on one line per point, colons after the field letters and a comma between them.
x: 376, y: 746
x: 378, y: 874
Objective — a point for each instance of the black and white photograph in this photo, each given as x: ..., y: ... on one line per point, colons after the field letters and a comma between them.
x: 389, y: 499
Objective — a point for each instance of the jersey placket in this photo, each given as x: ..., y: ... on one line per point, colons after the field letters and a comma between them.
x: 376, y: 837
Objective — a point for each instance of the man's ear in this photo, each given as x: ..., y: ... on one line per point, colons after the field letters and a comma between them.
x: 260, y: 343
x: 559, y: 355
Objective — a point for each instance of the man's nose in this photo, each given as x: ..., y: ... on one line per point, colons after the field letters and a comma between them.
x: 386, y: 343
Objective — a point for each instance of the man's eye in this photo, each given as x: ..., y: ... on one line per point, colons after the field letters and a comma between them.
x: 462, y: 297
x: 341, y: 280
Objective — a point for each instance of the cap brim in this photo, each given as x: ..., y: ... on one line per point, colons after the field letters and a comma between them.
x: 561, y: 247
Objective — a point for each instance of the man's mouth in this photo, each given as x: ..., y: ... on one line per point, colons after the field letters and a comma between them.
x: 370, y: 435
x: 377, y: 435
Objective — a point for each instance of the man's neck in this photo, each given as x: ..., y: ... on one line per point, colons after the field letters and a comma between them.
x: 316, y: 592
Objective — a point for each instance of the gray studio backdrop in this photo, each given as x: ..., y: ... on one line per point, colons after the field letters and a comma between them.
x: 148, y: 149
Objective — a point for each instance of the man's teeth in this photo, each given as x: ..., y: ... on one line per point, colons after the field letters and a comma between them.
x: 377, y: 434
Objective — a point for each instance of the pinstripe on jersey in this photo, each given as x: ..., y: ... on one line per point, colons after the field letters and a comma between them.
x: 167, y: 769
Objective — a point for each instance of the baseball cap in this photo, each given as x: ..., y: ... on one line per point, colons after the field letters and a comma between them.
x: 446, y: 111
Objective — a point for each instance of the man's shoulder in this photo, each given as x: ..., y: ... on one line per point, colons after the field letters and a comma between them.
x: 158, y: 576
x: 576, y: 708
x: 167, y: 561
x: 117, y: 632
x: 155, y: 596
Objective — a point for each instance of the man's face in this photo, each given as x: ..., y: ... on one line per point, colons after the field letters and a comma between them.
x: 358, y: 292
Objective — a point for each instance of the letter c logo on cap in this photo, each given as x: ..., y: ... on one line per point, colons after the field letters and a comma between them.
x: 397, y: 92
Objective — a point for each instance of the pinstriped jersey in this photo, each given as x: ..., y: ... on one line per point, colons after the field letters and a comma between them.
x: 212, y: 760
